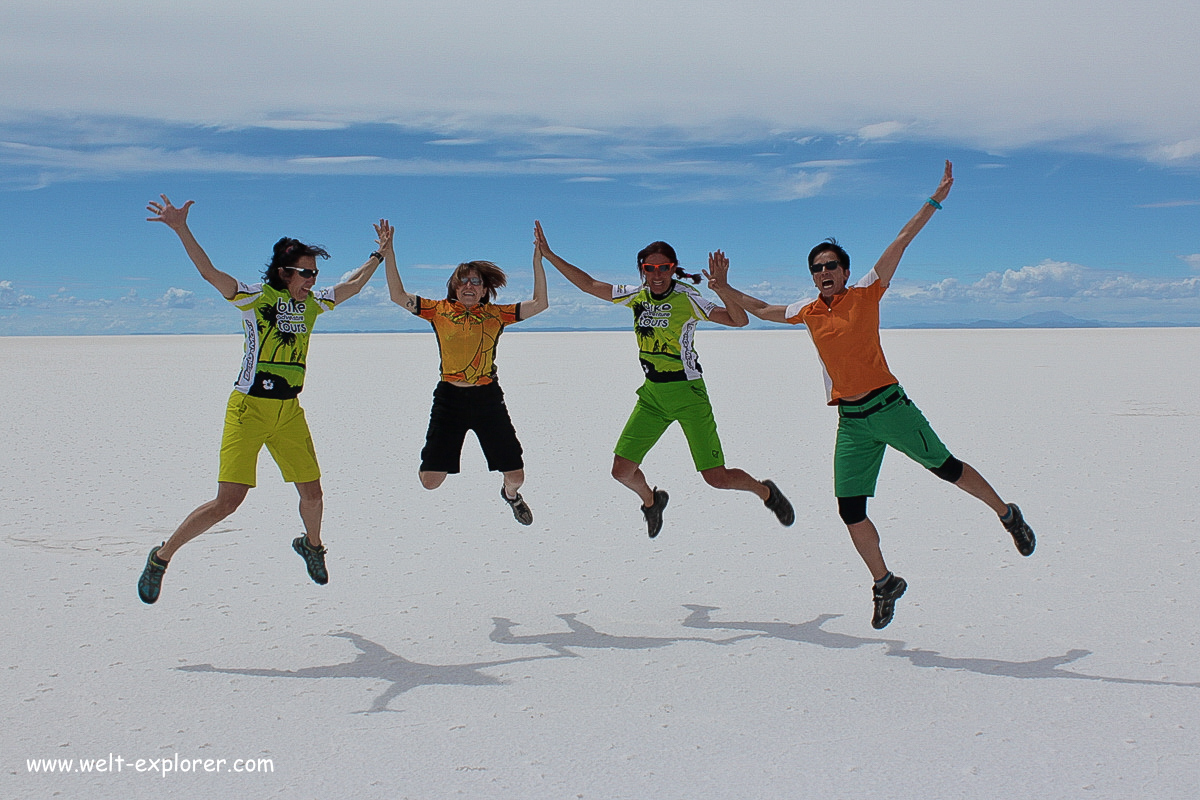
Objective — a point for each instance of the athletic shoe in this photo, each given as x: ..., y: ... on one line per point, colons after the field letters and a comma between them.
x: 779, y: 504
x: 314, y: 559
x: 1022, y: 534
x: 519, y: 508
x: 654, y: 513
x: 151, y: 580
x: 885, y: 600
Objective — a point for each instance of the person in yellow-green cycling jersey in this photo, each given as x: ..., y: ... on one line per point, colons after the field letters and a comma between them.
x: 665, y: 314
x: 278, y: 315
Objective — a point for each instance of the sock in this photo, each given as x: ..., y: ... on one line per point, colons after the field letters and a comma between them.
x: 1007, y: 516
x: 883, y: 580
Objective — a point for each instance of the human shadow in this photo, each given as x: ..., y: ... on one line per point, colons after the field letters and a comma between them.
x: 582, y: 635
x: 378, y: 663
x: 812, y: 633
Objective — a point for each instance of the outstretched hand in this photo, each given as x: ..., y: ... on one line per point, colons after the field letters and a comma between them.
x: 384, y: 233
x: 540, y: 246
x: 947, y: 181
x: 174, y: 218
x: 718, y: 271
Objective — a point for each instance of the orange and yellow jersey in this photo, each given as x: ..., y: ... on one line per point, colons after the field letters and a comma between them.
x: 846, y: 334
x: 467, y: 336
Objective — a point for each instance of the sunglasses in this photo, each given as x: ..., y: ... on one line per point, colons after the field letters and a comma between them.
x: 304, y: 273
x: 824, y: 265
x: 659, y: 267
x: 474, y: 280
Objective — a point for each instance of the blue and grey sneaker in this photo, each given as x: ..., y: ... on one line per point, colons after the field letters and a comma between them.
x: 314, y: 559
x: 779, y: 504
x: 885, y: 599
x: 151, y: 581
x: 519, y: 507
x: 654, y: 513
x: 1022, y: 534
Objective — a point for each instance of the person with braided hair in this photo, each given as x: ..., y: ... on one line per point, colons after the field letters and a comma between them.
x: 665, y: 313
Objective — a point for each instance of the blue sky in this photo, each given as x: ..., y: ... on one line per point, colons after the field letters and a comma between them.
x: 755, y: 127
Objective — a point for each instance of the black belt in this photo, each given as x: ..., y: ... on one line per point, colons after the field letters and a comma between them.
x: 886, y: 396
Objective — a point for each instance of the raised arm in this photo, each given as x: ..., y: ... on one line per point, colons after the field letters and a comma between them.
x: 717, y: 273
x: 885, y: 267
x: 718, y: 281
x: 176, y: 219
x: 358, y: 279
x: 540, y: 301
x: 395, y: 285
x: 571, y: 272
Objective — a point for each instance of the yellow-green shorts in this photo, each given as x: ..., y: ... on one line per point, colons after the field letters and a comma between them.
x: 660, y: 404
x: 250, y: 423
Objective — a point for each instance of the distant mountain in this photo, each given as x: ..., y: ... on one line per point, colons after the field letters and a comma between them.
x: 1042, y: 319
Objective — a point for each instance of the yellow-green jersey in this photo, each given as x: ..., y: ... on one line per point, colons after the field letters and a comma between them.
x: 665, y: 328
x: 277, y: 330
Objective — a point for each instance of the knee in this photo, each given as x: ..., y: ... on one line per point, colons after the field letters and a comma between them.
x: 226, y: 504
x: 852, y: 510
x: 623, y: 469
x: 311, y: 493
x: 432, y: 480
x: 951, y: 470
x: 717, y: 477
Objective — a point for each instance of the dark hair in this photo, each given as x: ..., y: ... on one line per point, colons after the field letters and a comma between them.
x: 664, y: 249
x: 286, y: 253
x: 493, y: 279
x: 830, y: 245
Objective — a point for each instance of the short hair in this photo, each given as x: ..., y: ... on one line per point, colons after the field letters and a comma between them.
x: 830, y: 245
x: 493, y: 278
x: 285, y: 254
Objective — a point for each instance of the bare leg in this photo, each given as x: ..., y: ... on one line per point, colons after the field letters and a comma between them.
x: 973, y: 484
x: 432, y: 480
x: 312, y: 507
x: 513, y: 480
x: 866, y: 541
x: 724, y: 478
x: 629, y: 474
x: 229, y: 497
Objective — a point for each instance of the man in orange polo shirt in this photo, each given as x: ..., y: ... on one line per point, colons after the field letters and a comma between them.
x: 873, y: 410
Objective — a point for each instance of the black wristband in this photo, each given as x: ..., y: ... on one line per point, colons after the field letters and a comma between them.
x: 376, y: 254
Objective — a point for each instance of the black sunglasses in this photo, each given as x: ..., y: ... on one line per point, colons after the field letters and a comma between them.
x: 824, y: 265
x: 304, y: 273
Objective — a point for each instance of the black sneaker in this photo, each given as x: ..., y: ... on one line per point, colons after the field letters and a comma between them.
x: 885, y: 600
x: 779, y: 504
x: 654, y: 513
x: 519, y: 508
x: 1022, y: 534
x: 151, y: 580
x: 314, y: 559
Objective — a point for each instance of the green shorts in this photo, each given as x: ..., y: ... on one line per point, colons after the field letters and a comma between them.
x: 660, y: 404
x: 250, y: 423
x: 867, y: 428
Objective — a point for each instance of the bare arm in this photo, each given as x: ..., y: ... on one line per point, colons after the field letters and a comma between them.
x: 540, y: 301
x: 358, y: 279
x: 574, y: 274
x: 395, y: 285
x: 885, y: 267
x: 176, y: 219
x: 718, y: 281
x: 717, y: 273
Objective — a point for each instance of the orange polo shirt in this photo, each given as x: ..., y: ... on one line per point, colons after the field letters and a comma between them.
x: 846, y: 334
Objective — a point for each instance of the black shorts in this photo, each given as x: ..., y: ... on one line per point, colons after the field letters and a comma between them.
x: 458, y: 409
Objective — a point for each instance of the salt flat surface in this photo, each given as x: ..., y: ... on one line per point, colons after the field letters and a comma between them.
x: 457, y: 654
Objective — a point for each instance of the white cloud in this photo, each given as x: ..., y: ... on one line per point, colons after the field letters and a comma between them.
x: 1050, y: 280
x: 178, y: 298
x: 1193, y: 260
x: 965, y: 71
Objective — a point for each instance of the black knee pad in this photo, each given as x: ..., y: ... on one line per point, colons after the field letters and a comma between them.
x: 950, y: 471
x: 852, y: 509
